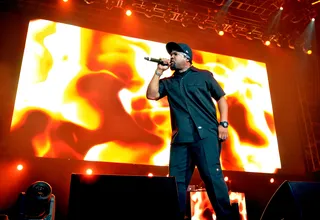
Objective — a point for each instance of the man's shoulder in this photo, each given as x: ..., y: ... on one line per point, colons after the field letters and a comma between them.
x: 202, y: 71
x: 166, y: 79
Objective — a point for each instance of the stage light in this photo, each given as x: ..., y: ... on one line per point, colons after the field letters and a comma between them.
x: 20, y: 167
x: 37, y: 202
x: 219, y: 29
x: 313, y: 19
x: 249, y: 35
x: 221, y: 33
x: 281, y: 8
x: 316, y: 2
x: 167, y: 175
x: 271, y: 180
x: 307, y: 49
x: 267, y: 43
x: 128, y: 12
x: 89, y: 171
x: 150, y: 174
x: 226, y: 179
x: 65, y: 0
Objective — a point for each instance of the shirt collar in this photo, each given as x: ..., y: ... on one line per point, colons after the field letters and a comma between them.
x: 177, y: 73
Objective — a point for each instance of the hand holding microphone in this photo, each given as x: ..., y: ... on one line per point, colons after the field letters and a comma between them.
x: 163, y: 64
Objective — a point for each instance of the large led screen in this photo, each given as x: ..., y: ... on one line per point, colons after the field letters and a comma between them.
x: 81, y: 95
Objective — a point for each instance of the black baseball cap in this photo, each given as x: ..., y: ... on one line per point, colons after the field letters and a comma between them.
x: 180, y: 47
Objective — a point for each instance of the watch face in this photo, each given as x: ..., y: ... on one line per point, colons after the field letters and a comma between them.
x: 224, y: 124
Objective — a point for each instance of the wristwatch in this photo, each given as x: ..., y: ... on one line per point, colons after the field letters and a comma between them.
x: 224, y: 124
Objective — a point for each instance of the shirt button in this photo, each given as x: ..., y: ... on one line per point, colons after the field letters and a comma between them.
x: 199, y: 127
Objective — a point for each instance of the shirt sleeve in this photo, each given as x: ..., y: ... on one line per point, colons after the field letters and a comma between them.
x: 215, y: 89
x: 162, y: 89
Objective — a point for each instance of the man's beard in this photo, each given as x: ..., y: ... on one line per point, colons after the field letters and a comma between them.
x: 173, y: 66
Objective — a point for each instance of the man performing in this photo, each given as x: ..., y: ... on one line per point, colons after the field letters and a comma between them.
x: 196, y: 133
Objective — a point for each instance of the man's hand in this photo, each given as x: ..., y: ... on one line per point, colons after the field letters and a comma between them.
x: 223, y: 133
x: 161, y: 68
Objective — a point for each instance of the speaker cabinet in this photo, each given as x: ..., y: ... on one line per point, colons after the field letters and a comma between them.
x: 3, y: 217
x: 122, y: 197
x: 294, y: 201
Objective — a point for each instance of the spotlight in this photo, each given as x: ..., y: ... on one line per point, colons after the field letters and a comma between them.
x: 316, y: 2
x: 150, y: 174
x: 266, y: 40
x: 249, y: 35
x: 128, y: 12
x: 313, y: 19
x: 65, y: 0
x: 226, y: 179
x: 89, y: 171
x: 271, y: 180
x: 281, y: 8
x: 307, y: 50
x: 37, y: 202
x: 219, y: 29
x: 20, y: 167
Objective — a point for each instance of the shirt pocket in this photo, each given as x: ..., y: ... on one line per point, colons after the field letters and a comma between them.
x: 196, y: 86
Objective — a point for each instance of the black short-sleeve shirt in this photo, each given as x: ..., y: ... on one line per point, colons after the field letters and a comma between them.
x: 192, y: 111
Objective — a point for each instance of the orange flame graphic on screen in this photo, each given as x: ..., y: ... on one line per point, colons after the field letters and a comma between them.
x: 81, y: 94
x: 201, y: 208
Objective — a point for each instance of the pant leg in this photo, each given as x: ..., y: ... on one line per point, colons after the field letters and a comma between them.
x: 207, y: 158
x: 181, y: 166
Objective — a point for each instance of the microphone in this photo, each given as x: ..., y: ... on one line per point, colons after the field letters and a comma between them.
x: 159, y: 61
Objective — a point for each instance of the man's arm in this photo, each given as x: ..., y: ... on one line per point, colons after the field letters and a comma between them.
x: 153, y: 92
x: 153, y: 87
x: 218, y: 94
x: 223, y: 108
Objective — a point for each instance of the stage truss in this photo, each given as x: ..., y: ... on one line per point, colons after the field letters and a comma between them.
x: 250, y: 19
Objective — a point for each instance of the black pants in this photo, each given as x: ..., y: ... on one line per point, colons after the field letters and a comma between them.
x: 205, y: 154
